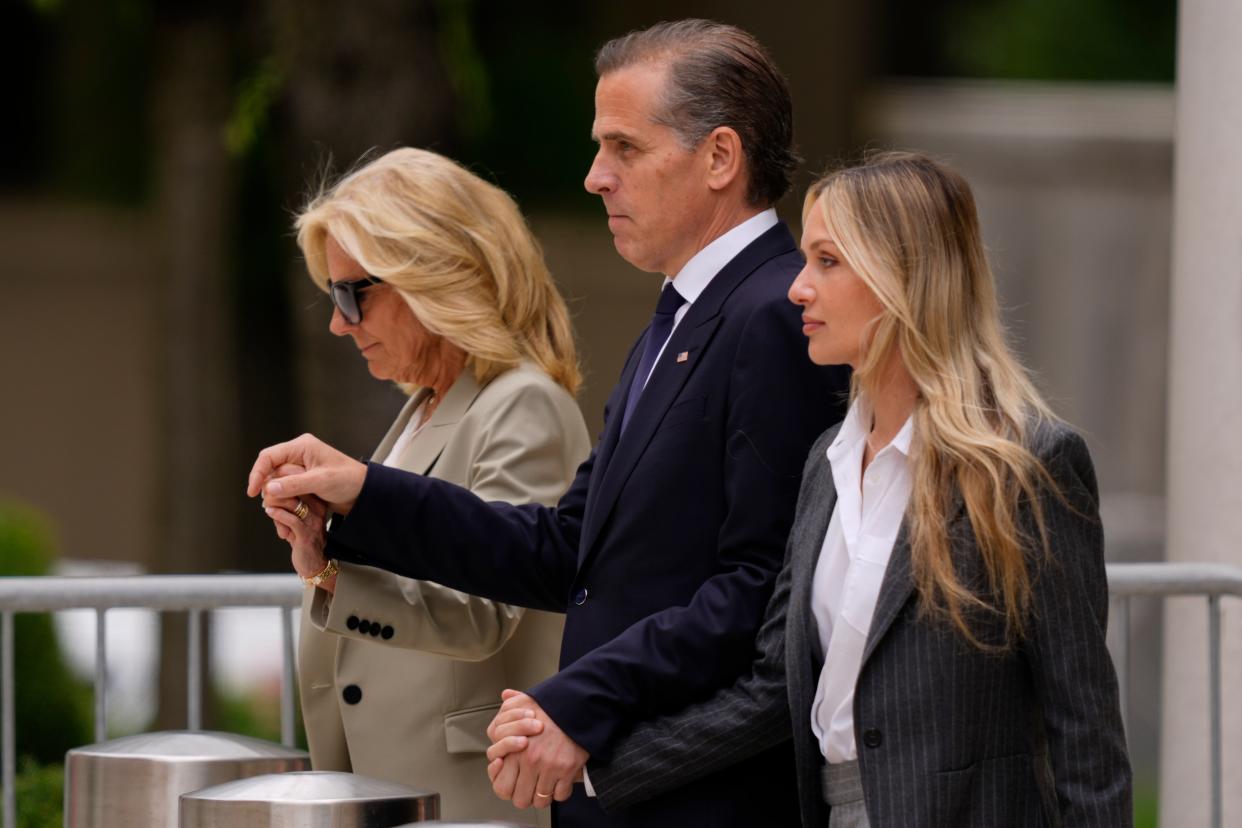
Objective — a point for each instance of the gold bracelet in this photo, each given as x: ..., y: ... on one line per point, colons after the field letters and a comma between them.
x: 324, y: 574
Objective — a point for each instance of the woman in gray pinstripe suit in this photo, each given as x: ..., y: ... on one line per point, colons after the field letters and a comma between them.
x: 935, y: 644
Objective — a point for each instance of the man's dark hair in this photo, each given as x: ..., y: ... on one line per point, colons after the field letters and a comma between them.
x: 718, y: 75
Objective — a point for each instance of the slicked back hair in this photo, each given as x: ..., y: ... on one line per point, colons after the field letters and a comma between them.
x: 718, y: 75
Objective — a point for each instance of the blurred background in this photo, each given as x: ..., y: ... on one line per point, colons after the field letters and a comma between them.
x: 159, y: 327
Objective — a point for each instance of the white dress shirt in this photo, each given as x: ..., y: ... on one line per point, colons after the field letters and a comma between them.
x: 418, y: 420
x: 864, y: 525
x: 693, y: 279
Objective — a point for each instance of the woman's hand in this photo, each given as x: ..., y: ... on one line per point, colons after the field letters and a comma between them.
x: 302, y: 523
x: 509, y: 731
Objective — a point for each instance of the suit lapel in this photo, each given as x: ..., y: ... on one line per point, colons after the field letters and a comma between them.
x: 608, y: 440
x: 898, y: 583
x: 691, y: 339
x: 627, y: 448
x: 398, y: 425
x: 805, y: 652
x: 895, y: 590
x: 423, y: 451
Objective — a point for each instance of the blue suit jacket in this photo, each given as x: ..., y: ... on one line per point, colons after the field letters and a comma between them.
x: 664, y: 550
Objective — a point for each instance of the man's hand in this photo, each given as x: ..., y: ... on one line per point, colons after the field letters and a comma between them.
x: 543, y: 763
x: 331, y: 476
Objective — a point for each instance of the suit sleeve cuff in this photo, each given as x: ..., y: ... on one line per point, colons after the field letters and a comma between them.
x: 368, y: 526
x: 320, y: 609
x: 587, y: 724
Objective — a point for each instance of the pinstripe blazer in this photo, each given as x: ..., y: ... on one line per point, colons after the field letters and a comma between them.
x: 948, y: 735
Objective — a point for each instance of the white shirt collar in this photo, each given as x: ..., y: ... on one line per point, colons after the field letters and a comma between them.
x: 856, y: 427
x: 703, y: 266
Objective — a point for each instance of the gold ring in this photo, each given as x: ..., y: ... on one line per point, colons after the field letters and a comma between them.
x: 301, y: 511
x: 543, y: 796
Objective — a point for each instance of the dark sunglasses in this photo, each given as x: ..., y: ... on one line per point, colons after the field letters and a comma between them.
x: 345, y: 296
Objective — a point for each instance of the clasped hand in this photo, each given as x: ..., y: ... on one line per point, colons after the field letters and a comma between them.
x: 302, y: 523
x: 531, y: 760
x: 301, y: 482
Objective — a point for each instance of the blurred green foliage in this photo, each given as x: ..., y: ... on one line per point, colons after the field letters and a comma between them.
x: 39, y: 792
x: 53, y: 709
x: 253, y: 715
x: 1054, y: 40
x: 96, y: 90
x: 1146, y: 805
x: 252, y: 106
x: 521, y: 77
x: 1086, y: 40
x: 465, y: 68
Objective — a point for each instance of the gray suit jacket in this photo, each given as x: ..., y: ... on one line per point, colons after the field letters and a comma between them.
x: 947, y: 734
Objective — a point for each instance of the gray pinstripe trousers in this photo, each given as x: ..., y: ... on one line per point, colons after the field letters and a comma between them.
x: 843, y: 791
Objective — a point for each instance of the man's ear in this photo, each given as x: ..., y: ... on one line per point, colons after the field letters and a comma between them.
x: 725, y: 158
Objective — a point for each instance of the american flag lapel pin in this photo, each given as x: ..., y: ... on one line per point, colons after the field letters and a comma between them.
x: 683, y: 356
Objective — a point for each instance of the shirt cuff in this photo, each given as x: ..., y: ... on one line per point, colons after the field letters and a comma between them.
x: 586, y: 781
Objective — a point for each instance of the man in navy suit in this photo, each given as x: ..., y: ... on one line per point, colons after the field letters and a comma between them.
x: 664, y: 550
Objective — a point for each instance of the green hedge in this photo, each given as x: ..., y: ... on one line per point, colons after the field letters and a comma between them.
x: 39, y: 795
x: 53, y: 709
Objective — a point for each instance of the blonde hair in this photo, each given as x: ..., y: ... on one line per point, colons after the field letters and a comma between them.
x: 457, y: 250
x: 908, y: 227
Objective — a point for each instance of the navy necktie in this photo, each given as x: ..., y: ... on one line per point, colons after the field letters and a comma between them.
x: 661, y: 327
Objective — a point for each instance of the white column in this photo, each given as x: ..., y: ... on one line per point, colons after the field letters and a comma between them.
x: 1205, y: 404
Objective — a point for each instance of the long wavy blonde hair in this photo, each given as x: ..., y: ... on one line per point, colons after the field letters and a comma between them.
x: 908, y: 227
x: 457, y: 250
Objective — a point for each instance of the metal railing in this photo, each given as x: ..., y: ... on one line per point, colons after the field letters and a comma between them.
x: 1165, y: 580
x: 194, y: 594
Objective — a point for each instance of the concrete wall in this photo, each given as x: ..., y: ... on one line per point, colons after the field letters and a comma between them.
x: 79, y: 418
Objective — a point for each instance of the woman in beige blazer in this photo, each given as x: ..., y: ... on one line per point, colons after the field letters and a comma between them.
x: 435, y: 276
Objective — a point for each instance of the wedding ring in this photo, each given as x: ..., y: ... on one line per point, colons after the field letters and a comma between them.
x: 301, y: 511
x: 543, y: 796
